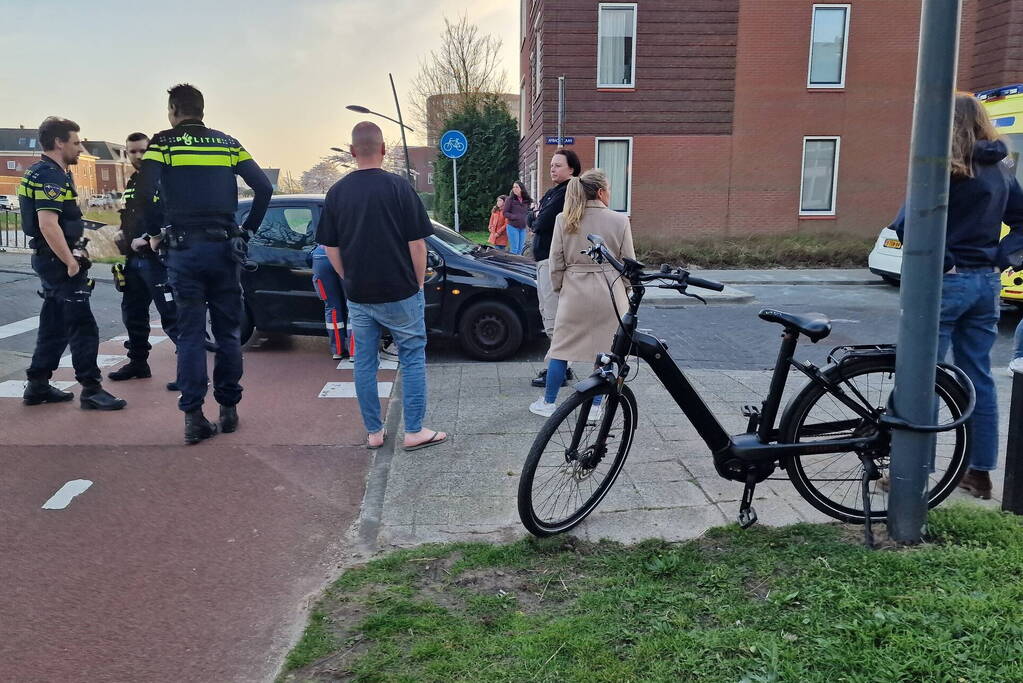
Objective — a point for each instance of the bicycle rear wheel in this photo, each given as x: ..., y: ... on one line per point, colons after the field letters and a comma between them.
x: 575, y: 460
x: 832, y: 483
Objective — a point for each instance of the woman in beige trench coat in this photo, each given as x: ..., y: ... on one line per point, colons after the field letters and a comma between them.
x: 585, y: 324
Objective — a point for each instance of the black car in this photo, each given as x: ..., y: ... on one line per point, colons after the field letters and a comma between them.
x: 483, y: 297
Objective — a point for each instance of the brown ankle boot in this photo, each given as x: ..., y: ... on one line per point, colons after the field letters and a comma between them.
x: 978, y: 483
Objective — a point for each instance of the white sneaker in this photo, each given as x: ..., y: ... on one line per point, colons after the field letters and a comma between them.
x: 596, y: 414
x: 1016, y: 366
x: 389, y: 352
x: 542, y: 408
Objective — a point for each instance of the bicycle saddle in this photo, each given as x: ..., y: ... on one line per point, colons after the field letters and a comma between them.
x: 815, y: 329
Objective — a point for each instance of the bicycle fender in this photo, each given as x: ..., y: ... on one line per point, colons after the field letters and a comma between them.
x: 591, y: 382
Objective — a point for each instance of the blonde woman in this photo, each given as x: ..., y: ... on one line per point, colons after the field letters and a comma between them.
x: 983, y: 193
x: 585, y: 323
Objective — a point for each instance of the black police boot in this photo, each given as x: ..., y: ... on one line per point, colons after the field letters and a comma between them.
x: 541, y: 379
x: 197, y: 427
x: 41, y: 391
x: 95, y: 398
x: 228, y: 419
x: 136, y: 369
x: 172, y: 386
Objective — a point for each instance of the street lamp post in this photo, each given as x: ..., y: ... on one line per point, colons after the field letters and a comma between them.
x: 399, y: 121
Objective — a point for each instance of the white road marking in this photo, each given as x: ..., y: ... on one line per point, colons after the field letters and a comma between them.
x: 62, y: 498
x: 384, y: 365
x: 843, y: 320
x: 154, y: 339
x: 14, y: 388
x: 102, y: 360
x: 20, y: 327
x: 347, y: 390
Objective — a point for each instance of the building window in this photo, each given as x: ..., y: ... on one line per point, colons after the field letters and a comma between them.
x: 106, y: 174
x: 12, y: 165
x: 616, y: 45
x: 829, y: 46
x: 429, y: 178
x: 614, y: 157
x: 522, y: 110
x: 819, y: 184
x: 538, y: 71
x: 32, y: 143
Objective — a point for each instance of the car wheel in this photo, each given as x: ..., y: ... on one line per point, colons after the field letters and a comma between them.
x: 490, y: 330
x: 893, y: 281
x: 247, y: 326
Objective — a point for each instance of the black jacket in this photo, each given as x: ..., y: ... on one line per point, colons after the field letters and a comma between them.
x: 195, y: 168
x: 977, y: 207
x: 551, y: 205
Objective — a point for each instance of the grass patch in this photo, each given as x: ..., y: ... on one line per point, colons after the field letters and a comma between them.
x: 801, y: 603
x: 108, y: 216
x: 477, y: 236
x: 761, y: 251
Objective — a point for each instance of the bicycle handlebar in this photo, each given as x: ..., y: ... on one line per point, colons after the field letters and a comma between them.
x: 633, y: 270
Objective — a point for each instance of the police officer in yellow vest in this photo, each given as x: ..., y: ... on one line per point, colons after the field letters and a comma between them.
x: 195, y: 167
x: 50, y: 215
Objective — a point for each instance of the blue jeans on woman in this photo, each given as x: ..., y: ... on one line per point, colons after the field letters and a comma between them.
x: 1018, y: 346
x: 516, y: 239
x: 405, y: 319
x: 330, y: 289
x: 969, y: 324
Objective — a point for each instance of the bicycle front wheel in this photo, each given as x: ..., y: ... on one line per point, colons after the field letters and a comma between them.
x: 575, y: 459
x: 832, y: 483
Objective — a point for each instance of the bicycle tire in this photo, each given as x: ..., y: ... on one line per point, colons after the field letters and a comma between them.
x: 950, y: 458
x: 566, y: 417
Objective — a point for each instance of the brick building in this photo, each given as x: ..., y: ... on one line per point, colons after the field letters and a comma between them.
x: 421, y: 159
x: 19, y: 149
x: 735, y: 117
x: 112, y: 166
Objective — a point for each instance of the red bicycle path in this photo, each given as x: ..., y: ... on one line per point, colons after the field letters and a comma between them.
x: 178, y: 563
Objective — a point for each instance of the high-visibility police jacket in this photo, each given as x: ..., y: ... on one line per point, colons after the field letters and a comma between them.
x: 48, y: 187
x: 133, y: 215
x: 195, y: 167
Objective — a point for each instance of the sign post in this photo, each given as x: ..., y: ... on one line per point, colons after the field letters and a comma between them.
x: 454, y: 145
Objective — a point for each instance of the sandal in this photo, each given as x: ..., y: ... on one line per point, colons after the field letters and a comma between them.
x: 432, y: 441
x: 383, y: 440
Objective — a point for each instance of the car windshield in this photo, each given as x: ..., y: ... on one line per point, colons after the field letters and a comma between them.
x: 453, y: 239
x: 1015, y: 152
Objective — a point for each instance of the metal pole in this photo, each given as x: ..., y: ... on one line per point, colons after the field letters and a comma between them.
x: 1012, y: 497
x: 561, y: 111
x: 922, y: 266
x: 454, y: 162
x: 401, y: 125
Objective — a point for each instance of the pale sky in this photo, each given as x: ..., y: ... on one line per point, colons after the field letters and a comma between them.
x: 276, y: 74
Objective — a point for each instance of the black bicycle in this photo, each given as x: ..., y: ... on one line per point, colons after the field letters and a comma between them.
x: 833, y: 439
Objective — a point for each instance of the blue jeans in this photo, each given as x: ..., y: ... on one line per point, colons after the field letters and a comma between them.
x: 969, y: 324
x: 516, y: 239
x: 1018, y: 347
x: 204, y: 275
x: 408, y: 327
x: 331, y: 291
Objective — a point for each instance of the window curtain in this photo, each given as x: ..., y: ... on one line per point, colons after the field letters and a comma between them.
x: 613, y: 159
x: 616, y: 46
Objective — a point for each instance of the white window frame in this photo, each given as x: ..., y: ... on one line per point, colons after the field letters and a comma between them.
x: 523, y: 106
x: 596, y: 160
x: 845, y: 46
x: 429, y: 178
x: 538, y: 51
x: 635, y: 39
x: 12, y: 165
x: 834, y: 175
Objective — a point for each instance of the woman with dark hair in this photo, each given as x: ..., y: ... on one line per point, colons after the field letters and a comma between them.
x: 516, y: 209
x: 983, y: 194
x: 586, y: 321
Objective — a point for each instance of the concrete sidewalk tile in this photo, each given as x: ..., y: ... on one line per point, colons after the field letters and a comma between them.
x: 671, y: 524
x: 684, y: 493
x: 656, y: 471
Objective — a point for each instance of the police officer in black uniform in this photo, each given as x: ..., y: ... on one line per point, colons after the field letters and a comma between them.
x: 195, y: 167
x: 51, y: 217
x: 145, y: 276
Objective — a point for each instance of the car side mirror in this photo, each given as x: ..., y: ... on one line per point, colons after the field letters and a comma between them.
x: 433, y: 259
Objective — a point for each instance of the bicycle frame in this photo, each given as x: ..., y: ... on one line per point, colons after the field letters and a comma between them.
x: 735, y: 456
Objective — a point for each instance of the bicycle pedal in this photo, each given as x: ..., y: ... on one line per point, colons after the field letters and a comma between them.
x: 747, y: 518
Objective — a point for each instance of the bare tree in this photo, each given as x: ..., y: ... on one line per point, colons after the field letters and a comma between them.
x: 394, y: 160
x: 288, y: 184
x: 320, y: 177
x: 464, y: 71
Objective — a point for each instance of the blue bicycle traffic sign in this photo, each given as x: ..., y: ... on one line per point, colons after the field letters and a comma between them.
x: 454, y: 144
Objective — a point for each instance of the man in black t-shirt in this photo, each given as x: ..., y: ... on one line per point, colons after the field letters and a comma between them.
x: 373, y: 229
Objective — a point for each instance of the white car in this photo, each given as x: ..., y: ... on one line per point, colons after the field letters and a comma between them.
x: 9, y: 202
x: 101, y: 200
x: 886, y: 257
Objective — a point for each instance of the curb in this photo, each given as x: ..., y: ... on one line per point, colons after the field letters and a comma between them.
x: 730, y: 295
x: 376, y: 482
